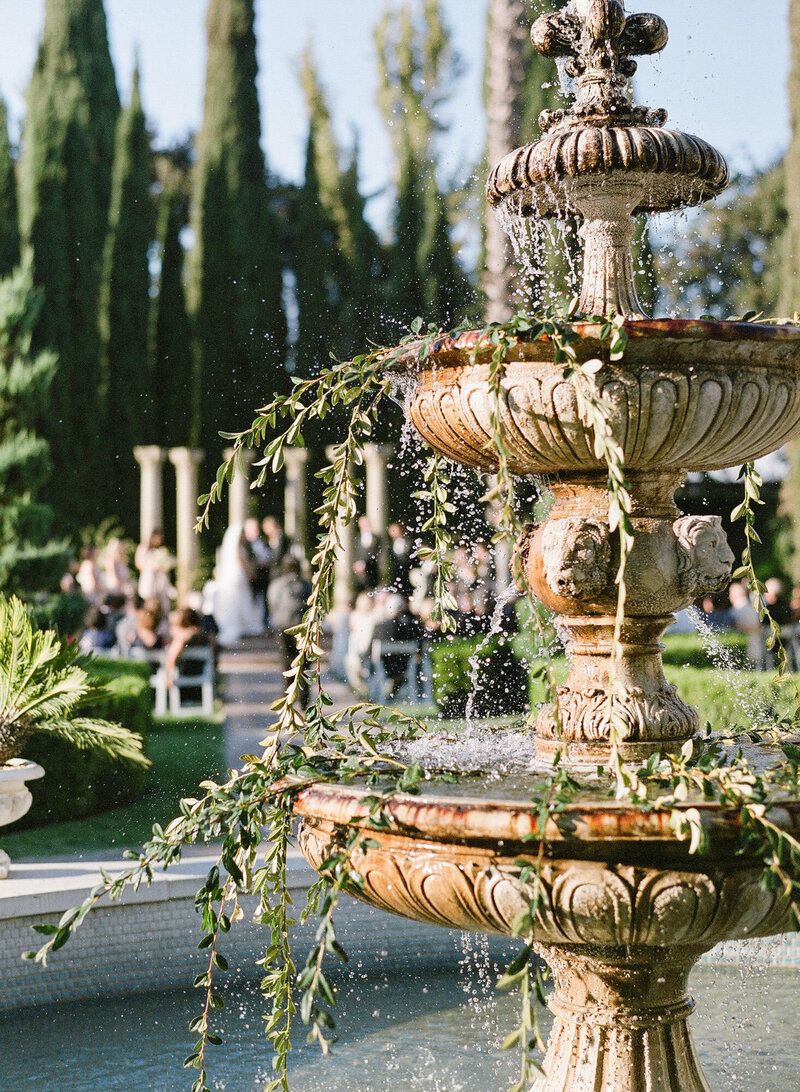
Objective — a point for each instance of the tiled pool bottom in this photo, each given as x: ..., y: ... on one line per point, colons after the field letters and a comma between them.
x: 404, y: 1031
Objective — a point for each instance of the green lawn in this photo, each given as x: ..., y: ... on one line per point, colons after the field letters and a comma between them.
x: 183, y: 752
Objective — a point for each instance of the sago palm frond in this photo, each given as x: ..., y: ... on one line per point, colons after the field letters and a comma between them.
x: 43, y: 686
x: 89, y: 734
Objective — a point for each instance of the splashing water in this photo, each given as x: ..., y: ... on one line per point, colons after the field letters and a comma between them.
x: 755, y: 709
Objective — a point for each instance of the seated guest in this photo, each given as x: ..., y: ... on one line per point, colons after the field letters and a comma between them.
x: 148, y: 629
x: 186, y: 631
x: 397, y: 625
x: 98, y: 635
x: 362, y: 624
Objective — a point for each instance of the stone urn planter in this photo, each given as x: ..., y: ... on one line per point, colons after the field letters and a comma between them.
x: 15, y: 797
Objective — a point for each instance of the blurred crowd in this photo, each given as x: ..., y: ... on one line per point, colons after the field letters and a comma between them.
x: 380, y: 641
x: 380, y: 628
x: 132, y: 609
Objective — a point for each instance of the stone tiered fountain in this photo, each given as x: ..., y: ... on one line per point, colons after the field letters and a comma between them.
x: 629, y: 909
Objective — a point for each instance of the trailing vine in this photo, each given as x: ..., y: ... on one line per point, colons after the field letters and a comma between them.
x: 317, y: 743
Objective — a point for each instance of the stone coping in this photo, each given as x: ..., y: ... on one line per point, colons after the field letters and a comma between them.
x: 53, y: 886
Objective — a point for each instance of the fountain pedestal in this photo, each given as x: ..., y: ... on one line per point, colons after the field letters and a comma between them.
x: 621, y: 1020
x: 620, y: 906
x: 571, y: 563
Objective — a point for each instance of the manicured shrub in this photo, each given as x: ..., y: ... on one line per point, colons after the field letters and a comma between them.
x: 63, y: 613
x: 728, y: 699
x: 691, y: 650
x: 80, y: 783
x: 487, y: 666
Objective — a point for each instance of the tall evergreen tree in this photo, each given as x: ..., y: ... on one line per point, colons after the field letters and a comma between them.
x: 417, y: 67
x: 30, y: 560
x: 234, y: 280
x: 336, y: 252
x: 64, y: 191
x: 789, y: 299
x: 124, y: 311
x: 9, y: 227
x: 518, y: 84
x: 176, y: 410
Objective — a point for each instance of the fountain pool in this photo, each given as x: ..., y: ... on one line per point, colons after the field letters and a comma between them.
x: 412, y: 1030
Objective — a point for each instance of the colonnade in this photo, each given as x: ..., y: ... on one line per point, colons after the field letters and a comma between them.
x: 187, y: 460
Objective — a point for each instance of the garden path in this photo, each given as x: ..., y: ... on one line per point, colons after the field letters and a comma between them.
x: 251, y: 679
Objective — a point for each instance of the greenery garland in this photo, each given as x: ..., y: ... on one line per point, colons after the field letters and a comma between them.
x: 315, y: 744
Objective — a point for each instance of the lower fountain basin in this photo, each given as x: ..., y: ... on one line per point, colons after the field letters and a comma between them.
x: 614, y: 873
x: 688, y: 395
x: 627, y: 911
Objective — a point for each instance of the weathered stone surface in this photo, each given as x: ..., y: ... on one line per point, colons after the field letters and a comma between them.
x: 687, y: 396
x: 626, y: 912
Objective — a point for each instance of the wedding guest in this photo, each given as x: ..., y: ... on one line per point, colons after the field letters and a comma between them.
x: 97, y: 636
x: 154, y: 562
x: 88, y: 577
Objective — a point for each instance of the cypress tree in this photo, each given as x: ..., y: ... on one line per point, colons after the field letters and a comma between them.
x: 417, y: 66
x: 124, y: 310
x: 336, y: 252
x: 64, y: 190
x: 176, y: 412
x: 9, y: 228
x: 314, y: 269
x: 30, y: 560
x: 234, y: 278
x: 789, y: 302
x: 518, y: 85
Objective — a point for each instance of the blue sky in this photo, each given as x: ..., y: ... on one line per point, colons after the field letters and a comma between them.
x: 722, y: 76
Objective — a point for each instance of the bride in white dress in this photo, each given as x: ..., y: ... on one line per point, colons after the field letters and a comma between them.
x: 237, y: 612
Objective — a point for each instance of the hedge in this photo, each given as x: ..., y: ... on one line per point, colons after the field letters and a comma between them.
x: 728, y: 699
x: 487, y: 666
x: 80, y: 783
x: 726, y: 649
x: 64, y: 613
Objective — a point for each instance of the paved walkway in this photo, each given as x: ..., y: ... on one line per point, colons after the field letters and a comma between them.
x: 251, y: 681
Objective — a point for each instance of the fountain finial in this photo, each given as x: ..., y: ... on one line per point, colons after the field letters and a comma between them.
x: 600, y: 42
x: 605, y: 159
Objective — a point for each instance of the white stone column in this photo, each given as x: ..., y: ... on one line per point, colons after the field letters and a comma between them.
x: 343, y: 571
x: 151, y: 490
x: 239, y: 489
x: 295, y: 509
x: 186, y: 460
x: 376, y: 458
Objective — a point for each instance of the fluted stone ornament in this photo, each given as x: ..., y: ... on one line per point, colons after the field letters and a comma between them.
x: 605, y: 159
x: 687, y: 395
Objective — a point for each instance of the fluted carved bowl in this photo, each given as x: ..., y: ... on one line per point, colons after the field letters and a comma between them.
x: 688, y: 395
x: 614, y: 875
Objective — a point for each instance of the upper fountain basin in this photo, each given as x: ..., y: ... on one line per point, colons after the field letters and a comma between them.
x: 661, y: 168
x: 688, y: 396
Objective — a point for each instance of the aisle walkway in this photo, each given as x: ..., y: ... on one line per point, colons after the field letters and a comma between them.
x: 251, y: 681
